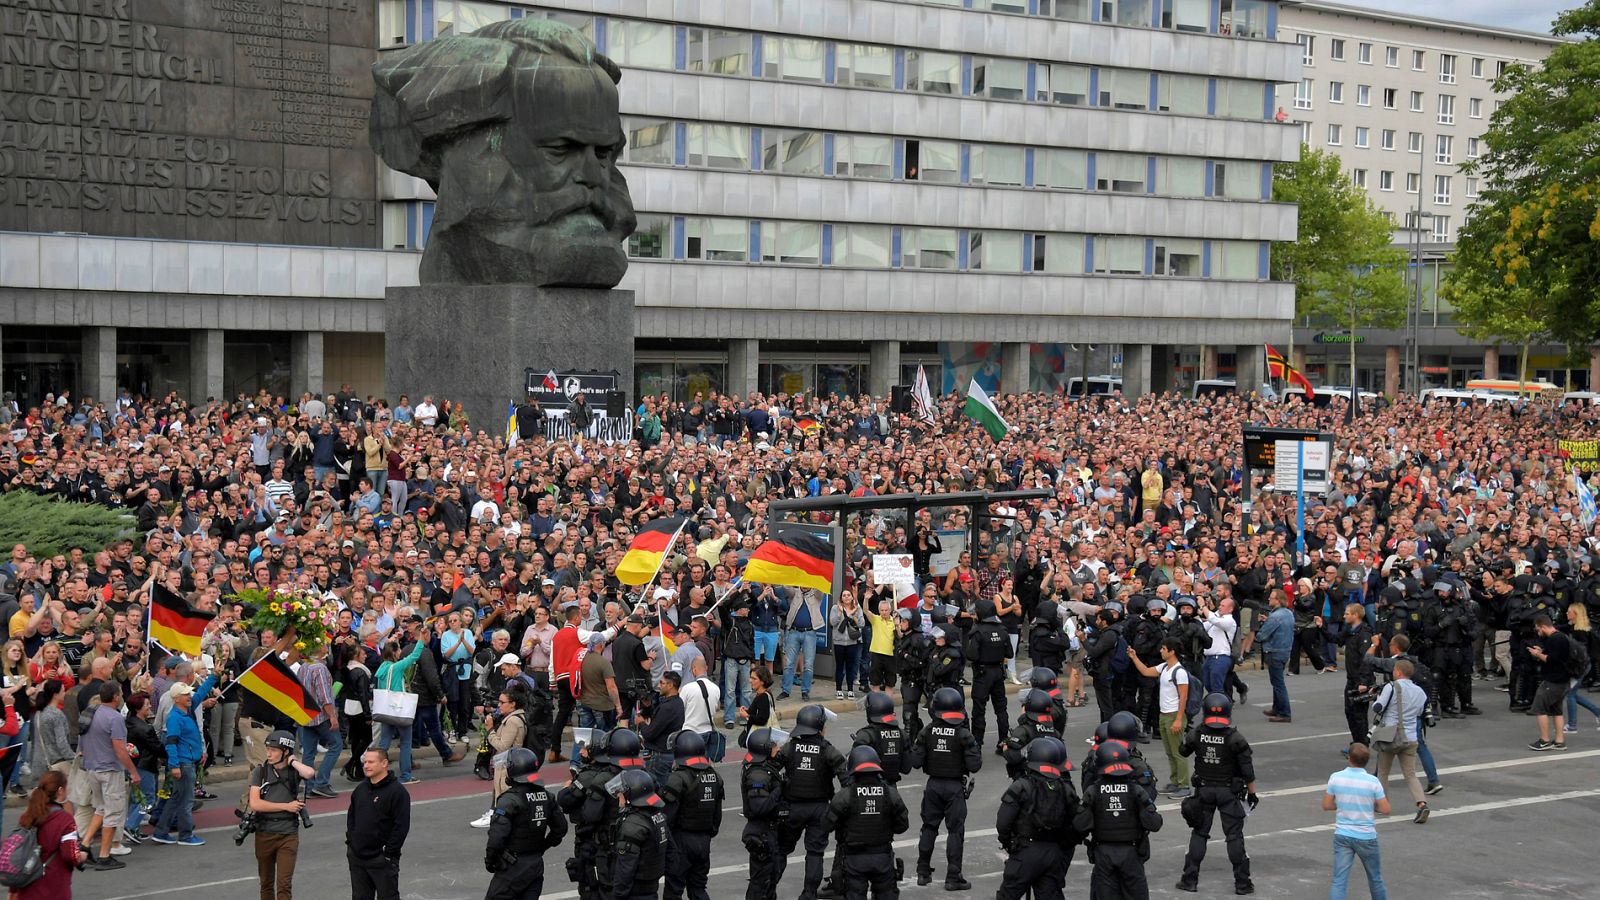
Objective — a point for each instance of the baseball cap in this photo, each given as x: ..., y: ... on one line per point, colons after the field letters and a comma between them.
x: 181, y: 690
x: 510, y: 659
x: 549, y: 581
x: 350, y: 544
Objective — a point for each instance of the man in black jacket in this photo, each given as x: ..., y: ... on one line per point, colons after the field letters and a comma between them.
x: 375, y: 830
x: 1101, y: 644
x: 1358, y: 679
x: 738, y: 648
x: 665, y: 719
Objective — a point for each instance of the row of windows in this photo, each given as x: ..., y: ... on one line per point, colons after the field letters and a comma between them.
x: 1442, y: 184
x: 864, y: 246
x: 659, y: 45
x: 1448, y: 62
x: 744, y: 148
x: 1305, y: 91
x: 1232, y: 18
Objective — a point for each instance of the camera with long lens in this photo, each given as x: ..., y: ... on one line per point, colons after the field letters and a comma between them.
x: 247, y: 826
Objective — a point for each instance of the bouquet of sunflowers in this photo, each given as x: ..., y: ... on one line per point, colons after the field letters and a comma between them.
x: 308, y: 614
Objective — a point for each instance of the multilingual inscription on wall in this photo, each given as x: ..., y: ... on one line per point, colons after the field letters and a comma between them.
x: 229, y: 120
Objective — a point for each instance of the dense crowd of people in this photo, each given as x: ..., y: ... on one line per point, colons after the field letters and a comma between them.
x: 1452, y: 550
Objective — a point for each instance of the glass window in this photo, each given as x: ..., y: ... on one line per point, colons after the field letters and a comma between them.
x: 1178, y: 257
x: 938, y: 161
x: 1361, y: 135
x: 1122, y: 173
x: 791, y: 152
x: 863, y: 65
x: 1061, y: 83
x: 649, y: 141
x: 1386, y: 180
x: 791, y: 242
x: 1364, y: 54
x: 1186, y: 94
x: 1244, y: 18
x: 1441, y: 229
x: 1236, y: 260
x: 994, y: 251
x: 786, y: 378
x: 1237, y: 180
x: 1058, y: 254
x: 466, y: 17
x: 1186, y: 15
x: 1477, y: 67
x: 1358, y: 177
x: 1471, y: 189
x: 1335, y: 92
x: 716, y: 240
x: 1447, y: 68
x: 864, y: 246
x: 580, y: 21
x: 719, y: 52
x: 1475, y: 108
x: 1308, y: 48
x: 1126, y: 12
x: 1071, y: 10
x: 1414, y: 142
x: 1441, y: 190
x: 1444, y: 149
x: 999, y: 79
x: 1302, y: 94
x: 1417, y: 60
x: 1416, y: 101
x: 652, y: 239
x: 1390, y: 96
x: 1387, y: 137
x: 1363, y: 95
x: 928, y: 248
x: 1391, y: 57
x: 933, y: 73
x: 1447, y: 109
x: 1118, y: 255
x: 1181, y: 176
x: 1335, y: 134
x: 1238, y: 99
x: 1336, y: 49
x: 1413, y: 183
x: 840, y: 379
x: 1472, y: 148
x: 863, y: 156
x: 643, y: 45
x: 793, y: 59
x: 998, y: 164
x: 1124, y: 89
x: 1061, y: 169
x: 719, y: 146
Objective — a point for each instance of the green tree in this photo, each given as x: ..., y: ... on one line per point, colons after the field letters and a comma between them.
x: 1343, y: 263
x: 48, y: 526
x: 1530, y: 249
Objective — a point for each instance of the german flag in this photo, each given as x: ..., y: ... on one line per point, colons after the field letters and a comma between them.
x: 173, y: 624
x: 644, y: 555
x: 807, y: 424
x: 272, y: 680
x: 793, y: 557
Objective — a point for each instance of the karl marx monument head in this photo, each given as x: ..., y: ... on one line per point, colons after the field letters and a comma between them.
x: 515, y: 127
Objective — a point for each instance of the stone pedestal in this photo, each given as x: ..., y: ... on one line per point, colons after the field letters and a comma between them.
x: 475, y: 343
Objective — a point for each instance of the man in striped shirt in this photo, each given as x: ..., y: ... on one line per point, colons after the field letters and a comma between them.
x: 1357, y: 797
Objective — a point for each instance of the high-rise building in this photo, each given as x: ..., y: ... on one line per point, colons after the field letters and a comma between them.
x: 830, y: 192
x: 1404, y: 102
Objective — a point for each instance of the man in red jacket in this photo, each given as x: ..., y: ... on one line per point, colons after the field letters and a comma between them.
x: 567, y: 650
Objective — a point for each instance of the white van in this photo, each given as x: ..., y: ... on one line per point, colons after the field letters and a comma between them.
x: 1099, y: 385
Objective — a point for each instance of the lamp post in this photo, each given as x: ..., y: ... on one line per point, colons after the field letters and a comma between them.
x: 1414, y: 313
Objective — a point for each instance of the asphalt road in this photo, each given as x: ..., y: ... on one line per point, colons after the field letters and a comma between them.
x: 1511, y: 823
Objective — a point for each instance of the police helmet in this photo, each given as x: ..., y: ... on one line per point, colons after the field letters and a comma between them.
x: 1123, y: 726
x: 689, y: 749
x: 880, y: 707
x: 1155, y: 605
x: 1115, y: 608
x: 1047, y: 756
x: 1043, y: 678
x: 810, y: 720
x: 1111, y: 758
x: 948, y: 705
x: 522, y: 766
x: 986, y: 612
x: 639, y: 789
x: 1183, y: 601
x: 1037, y: 706
x: 599, y: 746
x: 939, y: 634
x: 1443, y: 588
x: 1047, y: 613
x: 625, y: 749
x: 281, y: 740
x: 759, y: 746
x: 1101, y: 733
x: 1393, y: 595
x: 864, y: 759
x: 1218, y: 709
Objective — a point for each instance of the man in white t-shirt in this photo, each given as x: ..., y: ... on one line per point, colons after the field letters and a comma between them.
x: 1220, y: 628
x: 426, y: 414
x: 701, y: 697
x: 1173, y: 680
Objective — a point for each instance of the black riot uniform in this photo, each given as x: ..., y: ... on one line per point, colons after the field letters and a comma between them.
x: 1192, y: 644
x: 693, y: 796
x: 1451, y: 628
x: 1224, y: 779
x: 882, y: 733
x: 1035, y: 722
x: 1047, y: 642
x: 945, y: 661
x: 988, y: 646
x: 526, y: 822
x: 866, y: 815
x: 1145, y: 637
x: 1043, y: 679
x: 1358, y: 680
x: 812, y: 768
x: 1035, y: 824
x: 765, y: 814
x: 911, y: 651
x: 948, y: 753
x: 1118, y: 818
x: 1123, y: 728
x: 592, y: 811
x: 640, y: 840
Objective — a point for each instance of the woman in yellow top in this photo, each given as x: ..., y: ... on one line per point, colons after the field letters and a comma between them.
x: 881, y: 667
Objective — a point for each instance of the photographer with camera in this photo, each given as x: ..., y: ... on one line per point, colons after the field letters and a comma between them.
x: 276, y: 813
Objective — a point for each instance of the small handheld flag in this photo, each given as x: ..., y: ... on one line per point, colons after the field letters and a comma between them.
x: 173, y: 624
x: 271, y: 679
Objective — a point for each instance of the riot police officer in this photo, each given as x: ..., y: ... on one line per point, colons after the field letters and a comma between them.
x: 945, y: 662
x: 1119, y: 819
x: 1043, y: 679
x: 988, y: 646
x: 1451, y: 627
x: 525, y: 823
x: 911, y: 651
x: 812, y: 767
x: 1124, y: 727
x: 1224, y: 779
x: 591, y: 810
x: 1047, y: 642
x: 1192, y: 643
x: 1089, y: 772
x: 948, y: 753
x: 765, y: 815
x: 1148, y: 631
x: 1035, y: 823
x: 867, y: 815
x: 640, y: 839
x: 1034, y: 722
x: 693, y: 797
x: 882, y: 733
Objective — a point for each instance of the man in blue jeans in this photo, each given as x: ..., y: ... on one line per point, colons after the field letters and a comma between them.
x: 185, y: 749
x: 804, y: 622
x: 1220, y: 629
x: 322, y: 731
x: 1277, y: 642
x: 1357, y: 797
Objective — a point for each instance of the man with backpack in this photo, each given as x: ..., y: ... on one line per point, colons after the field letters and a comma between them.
x: 276, y: 802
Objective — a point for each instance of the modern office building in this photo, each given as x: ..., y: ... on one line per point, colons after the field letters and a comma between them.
x: 1404, y: 102
x: 830, y: 192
